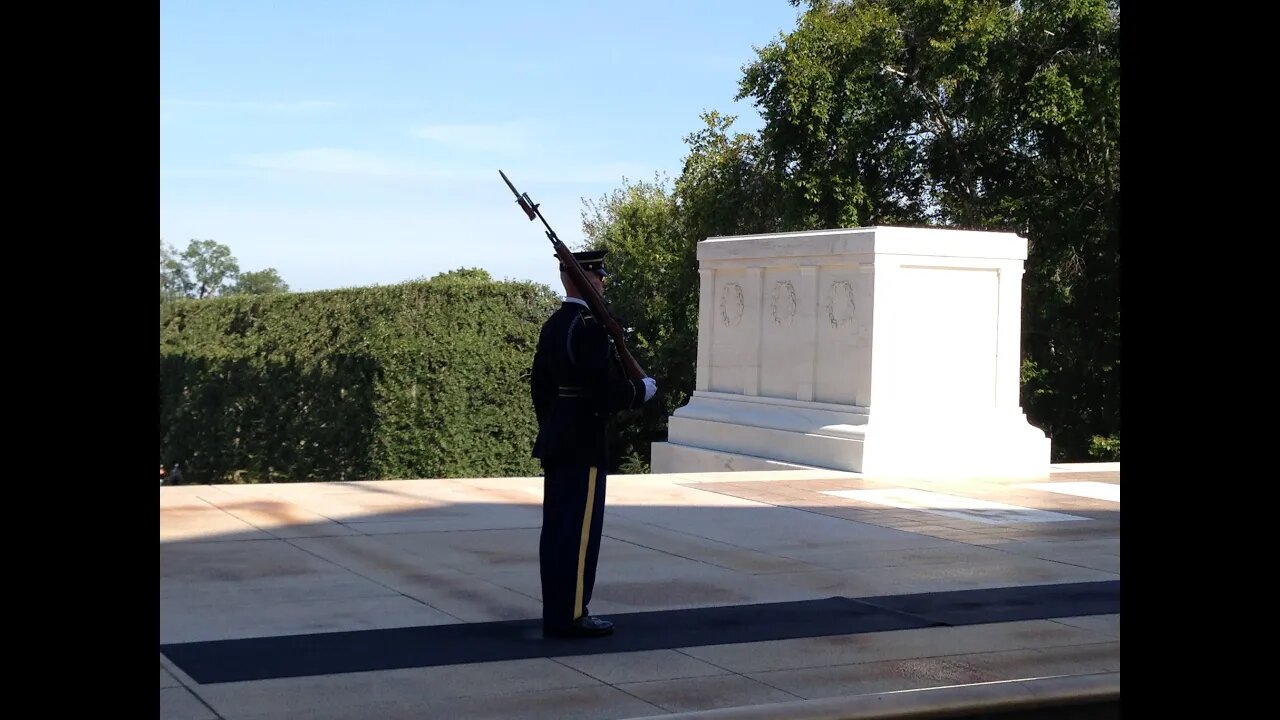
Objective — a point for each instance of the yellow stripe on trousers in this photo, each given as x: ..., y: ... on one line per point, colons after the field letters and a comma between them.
x: 586, y: 537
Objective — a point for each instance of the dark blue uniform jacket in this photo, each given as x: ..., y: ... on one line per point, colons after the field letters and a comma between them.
x: 577, y: 386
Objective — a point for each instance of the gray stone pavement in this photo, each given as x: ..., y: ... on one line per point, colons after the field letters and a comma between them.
x: 247, y: 561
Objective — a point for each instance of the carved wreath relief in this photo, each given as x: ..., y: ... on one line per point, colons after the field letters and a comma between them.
x: 784, y: 302
x: 731, y: 305
x: 840, y: 305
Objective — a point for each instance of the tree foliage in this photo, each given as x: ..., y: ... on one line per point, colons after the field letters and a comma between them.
x: 464, y: 274
x: 259, y: 282
x: 652, y: 271
x: 208, y: 269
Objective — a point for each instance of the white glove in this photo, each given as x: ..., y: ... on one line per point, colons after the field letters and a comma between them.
x: 650, y: 388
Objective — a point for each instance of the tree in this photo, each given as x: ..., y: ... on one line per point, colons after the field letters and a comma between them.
x: 652, y: 276
x: 724, y: 187
x: 174, y: 282
x: 208, y: 269
x: 652, y: 231
x: 212, y: 267
x: 259, y: 282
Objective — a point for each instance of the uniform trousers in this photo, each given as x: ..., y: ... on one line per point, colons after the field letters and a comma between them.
x: 572, y: 520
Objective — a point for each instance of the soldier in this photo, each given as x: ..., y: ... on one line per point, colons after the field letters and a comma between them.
x: 576, y: 386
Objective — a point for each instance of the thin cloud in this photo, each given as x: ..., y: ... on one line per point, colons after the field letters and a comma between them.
x: 533, y: 174
x: 487, y: 137
x: 357, y: 163
x: 331, y: 161
x: 607, y: 173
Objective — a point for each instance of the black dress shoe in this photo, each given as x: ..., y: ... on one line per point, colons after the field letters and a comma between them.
x: 585, y: 626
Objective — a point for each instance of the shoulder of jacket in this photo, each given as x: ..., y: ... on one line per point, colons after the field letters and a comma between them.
x: 577, y: 313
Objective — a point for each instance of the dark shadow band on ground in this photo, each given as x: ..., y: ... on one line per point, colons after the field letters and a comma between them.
x: 262, y: 658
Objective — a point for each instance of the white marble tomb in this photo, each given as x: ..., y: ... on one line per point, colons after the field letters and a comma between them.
x: 881, y: 350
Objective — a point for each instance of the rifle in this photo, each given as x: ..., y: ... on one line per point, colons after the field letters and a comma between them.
x: 579, y: 277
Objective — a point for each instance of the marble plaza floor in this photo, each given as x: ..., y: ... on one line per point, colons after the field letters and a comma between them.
x: 769, y: 590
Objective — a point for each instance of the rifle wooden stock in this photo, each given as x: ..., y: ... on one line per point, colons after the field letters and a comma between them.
x: 630, y: 367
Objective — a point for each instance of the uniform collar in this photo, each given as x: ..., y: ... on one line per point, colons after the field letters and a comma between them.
x: 580, y: 301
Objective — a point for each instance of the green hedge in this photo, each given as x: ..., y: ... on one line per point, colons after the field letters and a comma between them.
x: 423, y: 379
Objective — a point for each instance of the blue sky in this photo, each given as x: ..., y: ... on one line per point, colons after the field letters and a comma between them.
x: 358, y: 143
